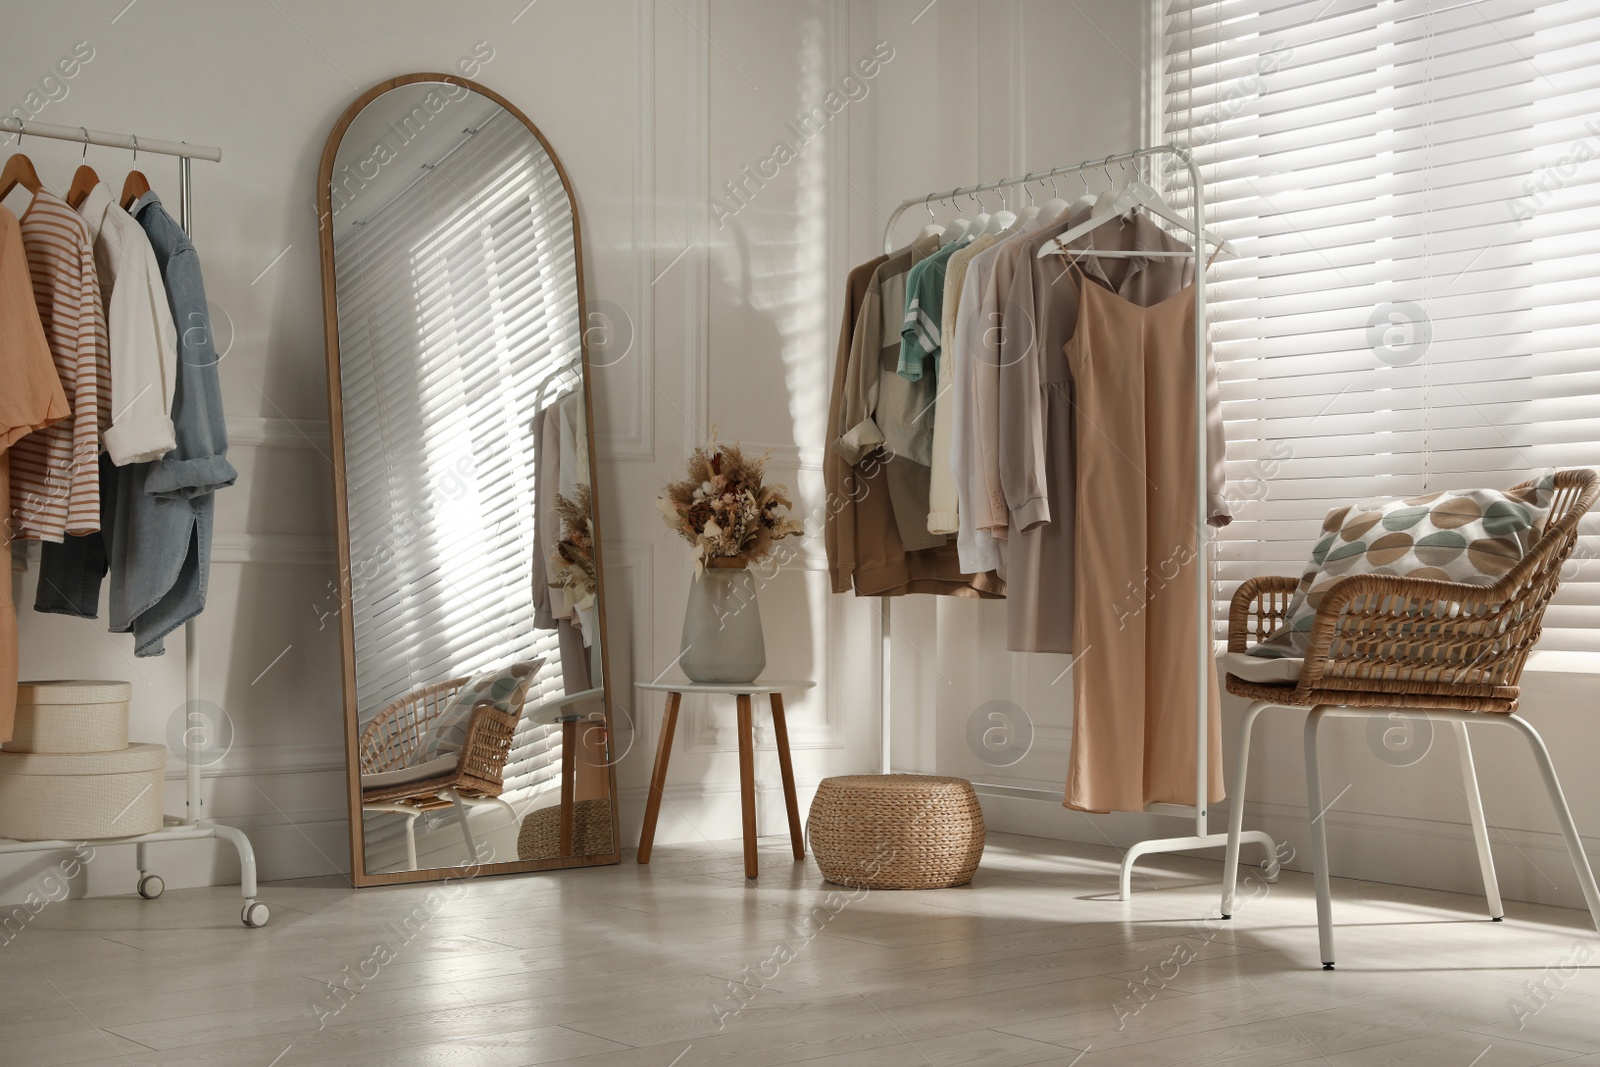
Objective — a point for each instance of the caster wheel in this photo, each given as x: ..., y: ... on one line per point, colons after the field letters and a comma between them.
x: 1327, y: 966
x: 151, y: 886
x: 255, y: 914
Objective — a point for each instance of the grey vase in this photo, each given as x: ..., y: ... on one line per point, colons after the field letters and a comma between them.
x: 722, y: 639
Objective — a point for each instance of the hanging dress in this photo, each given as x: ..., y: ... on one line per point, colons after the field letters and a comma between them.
x: 1134, y: 594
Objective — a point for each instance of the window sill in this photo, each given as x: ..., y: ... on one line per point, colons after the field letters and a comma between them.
x: 1574, y: 663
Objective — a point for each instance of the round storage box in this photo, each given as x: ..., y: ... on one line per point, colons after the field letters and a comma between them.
x: 81, y: 795
x: 71, y: 716
x: 896, y: 831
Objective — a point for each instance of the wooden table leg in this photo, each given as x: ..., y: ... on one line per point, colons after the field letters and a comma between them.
x: 569, y: 781
x: 797, y: 839
x: 658, y: 777
x: 747, y: 784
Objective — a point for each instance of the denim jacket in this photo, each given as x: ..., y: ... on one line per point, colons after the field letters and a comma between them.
x: 161, y: 533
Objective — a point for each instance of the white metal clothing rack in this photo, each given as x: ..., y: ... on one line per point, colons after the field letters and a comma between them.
x: 1204, y: 655
x: 191, y: 827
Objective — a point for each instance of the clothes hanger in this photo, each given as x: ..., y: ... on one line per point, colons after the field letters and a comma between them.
x: 84, y: 179
x: 1003, y: 219
x: 19, y: 171
x: 1055, y: 208
x: 980, y: 221
x: 135, y: 185
x: 932, y: 229
x: 1030, y: 212
x: 1132, y: 196
x: 958, y: 229
x: 1085, y: 203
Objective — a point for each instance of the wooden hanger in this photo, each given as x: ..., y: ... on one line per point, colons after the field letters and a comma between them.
x: 19, y: 171
x: 84, y: 180
x: 135, y: 185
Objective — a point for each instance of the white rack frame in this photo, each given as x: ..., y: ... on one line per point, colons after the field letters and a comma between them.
x: 1205, y: 664
x: 191, y: 827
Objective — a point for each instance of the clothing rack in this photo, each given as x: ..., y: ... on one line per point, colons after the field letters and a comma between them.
x: 1204, y: 654
x: 191, y: 827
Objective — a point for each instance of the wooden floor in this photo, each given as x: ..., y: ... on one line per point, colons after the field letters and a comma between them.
x: 683, y: 963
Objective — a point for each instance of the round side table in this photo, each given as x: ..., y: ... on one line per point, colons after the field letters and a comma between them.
x: 773, y: 691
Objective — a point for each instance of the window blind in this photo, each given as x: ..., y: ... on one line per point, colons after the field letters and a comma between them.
x: 457, y: 310
x: 1413, y: 192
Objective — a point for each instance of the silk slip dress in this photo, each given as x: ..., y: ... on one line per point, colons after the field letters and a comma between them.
x: 1134, y: 595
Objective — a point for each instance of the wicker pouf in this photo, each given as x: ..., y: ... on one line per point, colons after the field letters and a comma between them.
x: 540, y: 837
x: 896, y: 831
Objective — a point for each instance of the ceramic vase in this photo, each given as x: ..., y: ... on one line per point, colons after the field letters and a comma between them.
x: 722, y: 639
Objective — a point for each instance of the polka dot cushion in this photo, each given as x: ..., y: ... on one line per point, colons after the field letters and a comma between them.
x: 1472, y: 536
x: 504, y: 687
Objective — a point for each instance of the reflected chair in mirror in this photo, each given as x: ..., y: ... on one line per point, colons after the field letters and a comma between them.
x: 393, y: 781
x: 1445, y: 650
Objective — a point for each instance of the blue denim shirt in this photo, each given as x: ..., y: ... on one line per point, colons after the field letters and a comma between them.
x: 161, y: 535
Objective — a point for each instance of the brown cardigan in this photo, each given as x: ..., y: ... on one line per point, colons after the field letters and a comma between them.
x: 859, y: 532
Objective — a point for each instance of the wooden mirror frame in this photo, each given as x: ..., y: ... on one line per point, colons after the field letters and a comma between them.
x: 330, y: 320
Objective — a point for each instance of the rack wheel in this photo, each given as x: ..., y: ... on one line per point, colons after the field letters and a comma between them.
x: 255, y: 914
x: 151, y: 886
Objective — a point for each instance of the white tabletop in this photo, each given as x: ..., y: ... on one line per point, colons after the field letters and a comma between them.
x: 750, y: 689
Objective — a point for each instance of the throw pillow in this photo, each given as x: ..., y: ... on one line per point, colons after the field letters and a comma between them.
x: 1472, y: 536
x: 504, y: 687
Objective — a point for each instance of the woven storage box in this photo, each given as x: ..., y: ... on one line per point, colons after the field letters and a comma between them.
x: 896, y: 831
x: 81, y: 795
x: 71, y: 716
x: 540, y: 838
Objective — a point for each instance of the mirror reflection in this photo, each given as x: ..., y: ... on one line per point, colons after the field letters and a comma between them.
x: 474, y: 633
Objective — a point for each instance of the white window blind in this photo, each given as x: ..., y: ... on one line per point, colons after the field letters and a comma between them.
x: 457, y: 309
x: 1413, y: 188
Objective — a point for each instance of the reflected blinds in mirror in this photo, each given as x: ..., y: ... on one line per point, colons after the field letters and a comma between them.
x: 457, y: 306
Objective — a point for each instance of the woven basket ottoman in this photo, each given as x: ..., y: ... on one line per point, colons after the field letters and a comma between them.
x: 896, y: 831
x: 540, y: 836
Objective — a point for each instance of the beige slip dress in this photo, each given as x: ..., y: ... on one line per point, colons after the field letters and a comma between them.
x: 1134, y: 678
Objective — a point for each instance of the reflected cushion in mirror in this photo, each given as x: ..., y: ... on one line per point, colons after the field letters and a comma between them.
x: 505, y: 688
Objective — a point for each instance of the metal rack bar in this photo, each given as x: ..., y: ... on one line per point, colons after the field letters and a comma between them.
x: 1202, y: 837
x: 190, y: 826
x: 79, y: 135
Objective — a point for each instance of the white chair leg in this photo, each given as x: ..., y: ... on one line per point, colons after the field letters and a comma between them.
x: 411, y: 839
x: 1569, y: 829
x: 466, y: 829
x: 1241, y: 763
x: 1480, y: 826
x: 1319, y: 838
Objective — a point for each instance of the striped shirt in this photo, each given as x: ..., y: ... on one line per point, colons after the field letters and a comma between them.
x: 55, y: 473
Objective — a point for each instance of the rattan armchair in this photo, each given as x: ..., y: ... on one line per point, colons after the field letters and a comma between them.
x: 1453, y: 651
x: 393, y: 739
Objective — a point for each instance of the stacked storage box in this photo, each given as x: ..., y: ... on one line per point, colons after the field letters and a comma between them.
x: 68, y: 772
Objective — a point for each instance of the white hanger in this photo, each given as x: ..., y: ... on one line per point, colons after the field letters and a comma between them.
x: 980, y: 221
x: 1003, y: 219
x: 1134, y: 194
x: 1055, y: 208
x: 1030, y: 212
x: 957, y: 230
x: 932, y: 229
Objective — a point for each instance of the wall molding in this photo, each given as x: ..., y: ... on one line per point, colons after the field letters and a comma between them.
x: 282, y: 549
x: 275, y: 431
